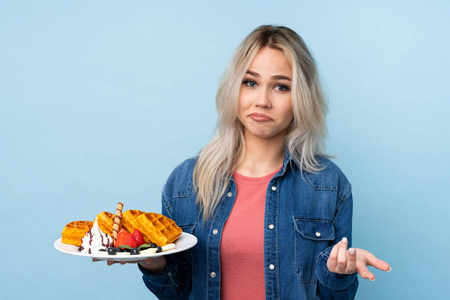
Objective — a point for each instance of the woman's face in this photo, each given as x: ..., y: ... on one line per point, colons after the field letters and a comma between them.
x: 265, y: 107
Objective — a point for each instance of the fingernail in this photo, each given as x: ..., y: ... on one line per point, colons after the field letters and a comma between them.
x: 344, y: 240
x: 352, y: 251
x: 389, y: 270
x: 372, y: 279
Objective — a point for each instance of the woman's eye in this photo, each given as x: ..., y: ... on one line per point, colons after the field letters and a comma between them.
x: 249, y: 83
x: 282, y: 88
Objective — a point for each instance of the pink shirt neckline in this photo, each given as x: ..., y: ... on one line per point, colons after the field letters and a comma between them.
x: 254, y: 180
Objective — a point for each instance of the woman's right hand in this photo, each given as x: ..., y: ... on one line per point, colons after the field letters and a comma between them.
x: 354, y: 260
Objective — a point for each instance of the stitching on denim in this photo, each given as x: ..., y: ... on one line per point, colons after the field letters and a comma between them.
x: 184, y: 193
x: 320, y: 187
x: 167, y: 205
x: 339, y: 208
x: 187, y: 227
x: 309, y: 219
x: 345, y: 196
x: 312, y: 237
x: 351, y: 278
x: 306, y: 281
x: 341, y: 202
x: 297, y: 262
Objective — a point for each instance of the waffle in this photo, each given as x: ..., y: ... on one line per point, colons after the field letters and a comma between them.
x: 75, y: 231
x: 105, y: 221
x: 129, y: 220
x: 158, y: 228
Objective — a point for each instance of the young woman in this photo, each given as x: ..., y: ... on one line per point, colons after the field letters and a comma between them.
x: 273, y: 215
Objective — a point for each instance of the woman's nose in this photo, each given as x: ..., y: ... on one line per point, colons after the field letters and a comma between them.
x: 263, y: 98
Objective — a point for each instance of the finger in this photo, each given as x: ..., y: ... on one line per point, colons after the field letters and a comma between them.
x: 342, y: 256
x: 351, y: 263
x: 371, y: 260
x: 110, y: 262
x: 132, y: 261
x: 379, y: 264
x: 364, y: 272
x: 145, y: 262
x: 332, y: 259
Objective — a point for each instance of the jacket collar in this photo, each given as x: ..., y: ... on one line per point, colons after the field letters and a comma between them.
x: 288, y: 161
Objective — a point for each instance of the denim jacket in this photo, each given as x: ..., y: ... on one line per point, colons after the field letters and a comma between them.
x: 305, y: 215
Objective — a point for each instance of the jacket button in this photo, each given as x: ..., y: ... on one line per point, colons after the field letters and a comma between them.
x: 272, y: 266
x: 229, y: 194
x: 271, y: 226
x: 274, y: 188
x: 215, y: 231
x: 212, y: 274
x: 318, y: 234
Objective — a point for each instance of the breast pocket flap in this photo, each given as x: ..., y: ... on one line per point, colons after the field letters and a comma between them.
x: 317, y: 230
x: 188, y: 228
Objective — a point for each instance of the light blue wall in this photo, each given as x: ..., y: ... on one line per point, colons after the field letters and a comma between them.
x: 100, y: 100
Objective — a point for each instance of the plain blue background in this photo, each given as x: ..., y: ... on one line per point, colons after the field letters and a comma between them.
x: 100, y: 100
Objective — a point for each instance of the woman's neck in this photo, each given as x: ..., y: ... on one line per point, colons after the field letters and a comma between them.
x: 261, y: 157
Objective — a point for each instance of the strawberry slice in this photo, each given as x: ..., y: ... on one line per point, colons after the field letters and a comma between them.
x: 120, y: 237
x: 138, y: 237
x: 129, y: 241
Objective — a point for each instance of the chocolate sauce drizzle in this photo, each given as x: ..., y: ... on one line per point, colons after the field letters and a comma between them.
x: 106, y: 244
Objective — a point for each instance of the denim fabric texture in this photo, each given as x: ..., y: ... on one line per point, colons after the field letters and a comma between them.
x: 305, y: 215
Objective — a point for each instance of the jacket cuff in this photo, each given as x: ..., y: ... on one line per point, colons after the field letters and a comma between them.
x: 332, y: 281
x: 166, y: 278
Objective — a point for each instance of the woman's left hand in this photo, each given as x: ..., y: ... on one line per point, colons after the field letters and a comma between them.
x: 343, y: 261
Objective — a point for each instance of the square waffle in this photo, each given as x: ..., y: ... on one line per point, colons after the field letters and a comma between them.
x: 105, y: 221
x: 158, y: 228
x: 75, y: 231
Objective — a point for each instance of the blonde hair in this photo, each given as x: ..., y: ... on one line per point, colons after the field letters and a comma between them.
x: 306, y: 134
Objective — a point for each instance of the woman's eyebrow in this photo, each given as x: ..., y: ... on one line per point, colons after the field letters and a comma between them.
x: 252, y: 73
x: 281, y: 77
x: 277, y: 77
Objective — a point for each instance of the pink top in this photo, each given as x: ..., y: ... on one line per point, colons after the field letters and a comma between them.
x: 242, y: 244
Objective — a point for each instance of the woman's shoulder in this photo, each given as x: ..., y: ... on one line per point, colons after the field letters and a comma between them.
x: 181, y: 177
x: 178, y: 196
x: 187, y: 166
x: 327, y: 166
x: 329, y: 177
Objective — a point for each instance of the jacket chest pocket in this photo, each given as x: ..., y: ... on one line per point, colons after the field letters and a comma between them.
x: 311, y: 238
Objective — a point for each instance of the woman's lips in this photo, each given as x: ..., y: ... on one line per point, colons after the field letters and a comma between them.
x: 260, y: 117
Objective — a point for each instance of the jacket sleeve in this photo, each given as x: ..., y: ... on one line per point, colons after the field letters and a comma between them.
x: 175, y: 281
x: 332, y: 285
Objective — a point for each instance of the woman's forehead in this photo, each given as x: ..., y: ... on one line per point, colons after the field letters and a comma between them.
x: 270, y: 61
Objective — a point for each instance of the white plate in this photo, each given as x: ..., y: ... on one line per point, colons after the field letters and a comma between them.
x: 183, y: 243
